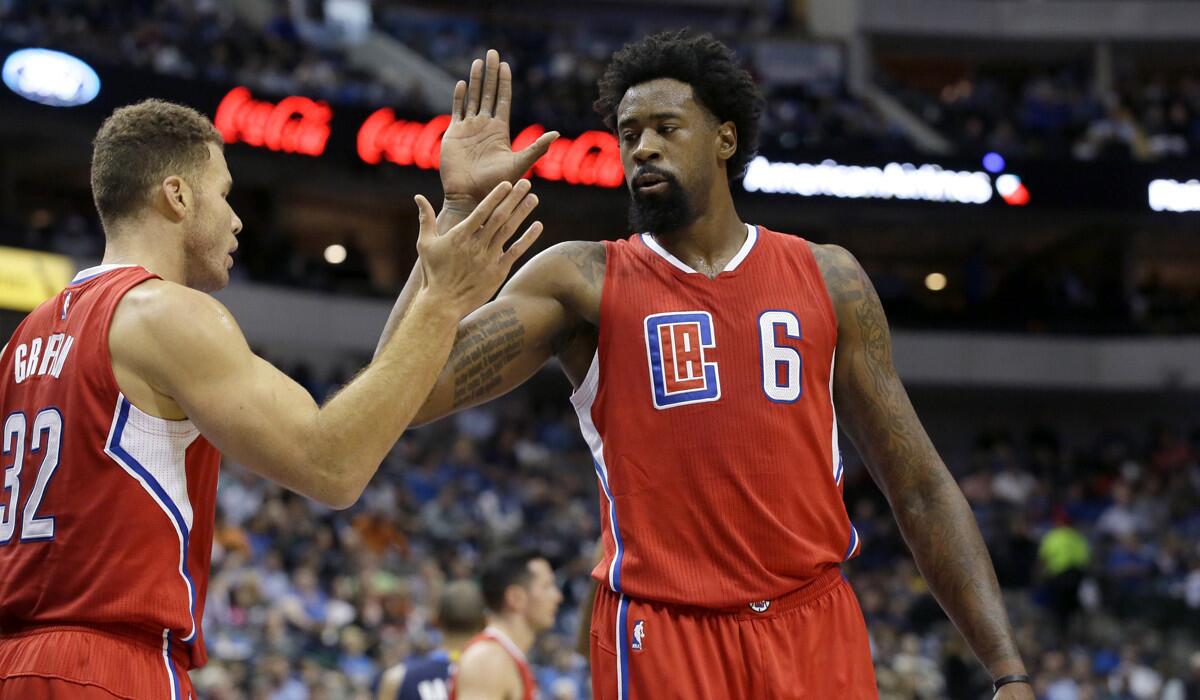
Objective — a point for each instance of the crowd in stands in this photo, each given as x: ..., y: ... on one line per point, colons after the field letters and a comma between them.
x: 201, y: 39
x: 1058, y: 113
x: 557, y: 66
x: 1094, y: 543
x: 1052, y: 112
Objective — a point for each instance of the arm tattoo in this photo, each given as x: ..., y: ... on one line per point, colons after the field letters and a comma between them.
x: 841, y: 276
x: 898, y: 434
x: 589, y: 258
x: 933, y: 515
x: 481, y: 351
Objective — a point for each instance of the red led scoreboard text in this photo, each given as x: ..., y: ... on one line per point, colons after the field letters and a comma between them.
x: 302, y: 125
x: 295, y: 125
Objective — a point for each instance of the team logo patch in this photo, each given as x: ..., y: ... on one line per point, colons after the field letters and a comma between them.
x: 678, y: 346
x: 761, y: 606
x: 639, y: 633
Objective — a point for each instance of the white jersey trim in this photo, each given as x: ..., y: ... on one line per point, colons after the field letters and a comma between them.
x: 837, y: 452
x: 747, y: 246
x: 583, y: 399
x: 586, y: 392
x: 153, y: 451
x: 497, y: 635
x: 98, y: 270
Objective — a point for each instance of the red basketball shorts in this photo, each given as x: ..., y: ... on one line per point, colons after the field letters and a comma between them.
x: 70, y: 663
x: 810, y: 644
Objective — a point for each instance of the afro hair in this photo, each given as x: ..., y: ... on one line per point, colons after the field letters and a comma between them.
x: 719, y: 83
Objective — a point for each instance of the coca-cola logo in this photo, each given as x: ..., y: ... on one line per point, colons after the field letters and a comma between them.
x: 295, y: 125
x: 383, y: 137
x: 592, y: 158
x: 302, y: 125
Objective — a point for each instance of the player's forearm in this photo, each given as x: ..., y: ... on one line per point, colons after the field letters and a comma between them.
x: 453, y: 212
x: 357, y: 427
x: 496, y: 349
x: 939, y: 528
x: 416, y: 279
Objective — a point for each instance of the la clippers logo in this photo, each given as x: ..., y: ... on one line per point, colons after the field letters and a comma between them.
x: 677, y: 345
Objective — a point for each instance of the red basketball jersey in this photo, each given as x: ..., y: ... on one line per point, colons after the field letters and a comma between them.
x: 708, y: 410
x: 492, y: 634
x: 106, y: 512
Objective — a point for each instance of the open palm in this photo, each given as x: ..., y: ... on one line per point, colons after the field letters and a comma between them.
x: 477, y: 150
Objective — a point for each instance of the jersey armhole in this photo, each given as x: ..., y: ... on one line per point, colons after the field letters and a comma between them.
x: 810, y: 261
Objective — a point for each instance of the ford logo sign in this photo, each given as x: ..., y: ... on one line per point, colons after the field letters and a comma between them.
x: 50, y: 78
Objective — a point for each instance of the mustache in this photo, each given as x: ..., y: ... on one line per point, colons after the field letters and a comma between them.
x: 654, y: 170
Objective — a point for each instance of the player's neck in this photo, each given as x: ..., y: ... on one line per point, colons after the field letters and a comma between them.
x: 710, y: 242
x: 153, y: 250
x: 516, y: 629
x: 455, y: 643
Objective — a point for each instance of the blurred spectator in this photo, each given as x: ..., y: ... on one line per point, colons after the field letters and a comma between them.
x: 1056, y: 113
x: 1065, y: 555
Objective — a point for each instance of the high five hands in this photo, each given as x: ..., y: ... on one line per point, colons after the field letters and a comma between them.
x: 477, y: 150
x: 465, y: 266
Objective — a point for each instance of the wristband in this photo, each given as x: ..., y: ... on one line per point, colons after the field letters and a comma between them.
x: 1011, y: 678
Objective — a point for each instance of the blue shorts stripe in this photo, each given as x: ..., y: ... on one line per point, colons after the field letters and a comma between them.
x: 623, y: 649
x: 172, y: 674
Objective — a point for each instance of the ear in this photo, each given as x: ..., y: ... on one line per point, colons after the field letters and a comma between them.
x: 516, y: 598
x: 726, y: 140
x: 176, y: 198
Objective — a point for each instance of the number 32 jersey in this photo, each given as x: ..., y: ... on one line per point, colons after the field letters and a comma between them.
x: 709, y: 414
x: 106, y: 512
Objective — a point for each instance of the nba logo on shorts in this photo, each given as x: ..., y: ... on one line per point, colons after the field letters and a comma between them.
x: 677, y: 345
x: 639, y: 633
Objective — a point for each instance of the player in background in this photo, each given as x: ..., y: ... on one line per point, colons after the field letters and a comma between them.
x: 522, y: 599
x: 119, y: 391
x: 460, y: 616
x: 703, y: 359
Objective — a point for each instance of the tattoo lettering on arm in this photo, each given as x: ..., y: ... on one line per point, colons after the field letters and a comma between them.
x: 507, y: 340
x: 481, y: 351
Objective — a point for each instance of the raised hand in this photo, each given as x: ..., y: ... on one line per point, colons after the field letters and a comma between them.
x: 464, y: 267
x: 477, y: 148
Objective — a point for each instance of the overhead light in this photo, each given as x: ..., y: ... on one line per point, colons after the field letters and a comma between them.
x: 335, y: 254
x: 935, y: 281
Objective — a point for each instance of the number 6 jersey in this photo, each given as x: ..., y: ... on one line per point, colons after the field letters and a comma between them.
x: 708, y: 411
x: 106, y: 512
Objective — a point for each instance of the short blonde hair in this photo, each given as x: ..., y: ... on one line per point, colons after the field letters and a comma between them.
x: 140, y: 145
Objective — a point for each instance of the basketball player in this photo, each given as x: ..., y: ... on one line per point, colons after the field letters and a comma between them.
x: 522, y: 598
x: 460, y: 616
x: 708, y: 357
x: 119, y: 391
